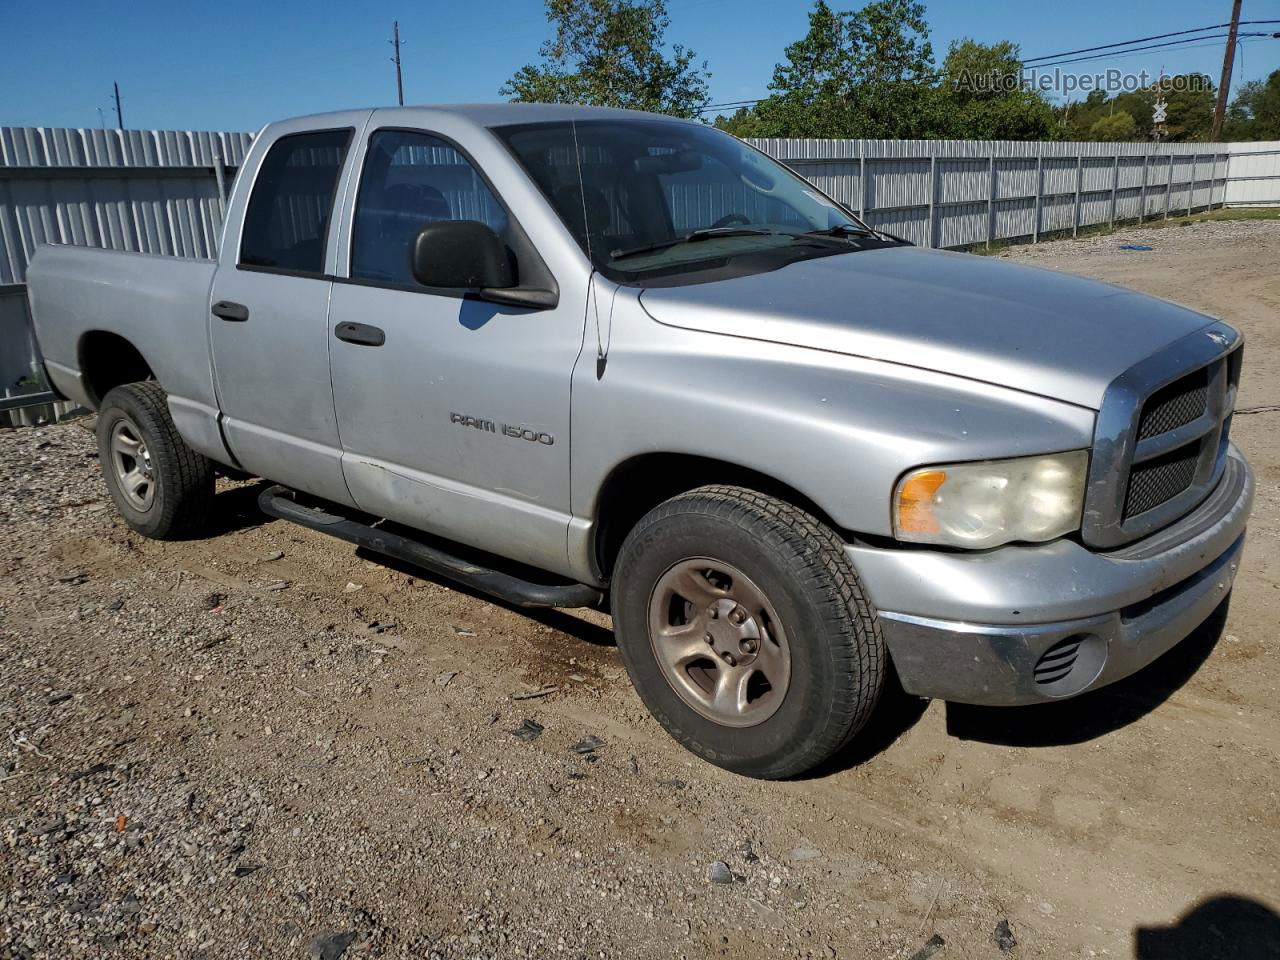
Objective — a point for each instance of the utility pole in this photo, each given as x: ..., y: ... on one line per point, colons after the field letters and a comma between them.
x: 1228, y: 59
x: 400, y: 83
x: 119, y: 112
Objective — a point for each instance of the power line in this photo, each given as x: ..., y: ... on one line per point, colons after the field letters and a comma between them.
x: 1187, y: 40
x: 1158, y: 36
x: 1152, y: 46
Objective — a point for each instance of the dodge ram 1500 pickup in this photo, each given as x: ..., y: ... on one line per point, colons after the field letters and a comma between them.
x: 574, y: 356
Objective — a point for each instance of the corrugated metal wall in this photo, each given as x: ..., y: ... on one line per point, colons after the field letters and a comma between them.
x: 1255, y: 175
x: 152, y: 191
x: 955, y: 193
x: 157, y: 192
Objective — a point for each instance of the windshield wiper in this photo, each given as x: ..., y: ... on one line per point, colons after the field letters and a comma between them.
x: 845, y: 231
x: 707, y: 233
x: 841, y: 230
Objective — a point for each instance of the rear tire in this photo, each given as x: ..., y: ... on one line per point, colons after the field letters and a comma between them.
x: 721, y: 586
x: 162, y: 488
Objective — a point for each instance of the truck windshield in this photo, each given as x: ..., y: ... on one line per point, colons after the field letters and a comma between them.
x: 665, y: 201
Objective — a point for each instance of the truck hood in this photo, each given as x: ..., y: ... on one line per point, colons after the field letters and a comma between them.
x: 1031, y: 329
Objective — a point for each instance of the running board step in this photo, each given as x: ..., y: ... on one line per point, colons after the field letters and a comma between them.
x: 279, y: 502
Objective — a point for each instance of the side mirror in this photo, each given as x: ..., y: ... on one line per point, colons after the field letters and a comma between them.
x: 461, y: 253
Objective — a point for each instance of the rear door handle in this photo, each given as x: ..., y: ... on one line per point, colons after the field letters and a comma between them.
x: 230, y: 311
x: 360, y: 333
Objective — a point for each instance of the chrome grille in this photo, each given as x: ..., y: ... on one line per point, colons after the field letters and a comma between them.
x: 1161, y: 437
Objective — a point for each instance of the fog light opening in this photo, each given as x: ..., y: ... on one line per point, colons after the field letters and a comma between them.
x: 1070, y: 665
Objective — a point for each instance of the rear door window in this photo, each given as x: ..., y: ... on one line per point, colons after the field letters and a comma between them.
x: 286, y: 225
x: 412, y: 179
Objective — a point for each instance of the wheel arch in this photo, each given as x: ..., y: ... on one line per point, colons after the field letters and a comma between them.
x: 638, y: 484
x: 108, y: 360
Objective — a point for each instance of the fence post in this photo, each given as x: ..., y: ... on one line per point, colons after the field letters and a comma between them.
x: 1168, y: 193
x: 862, y: 180
x: 1035, y: 226
x: 1142, y: 194
x: 1075, y: 213
x: 991, y: 196
x: 1191, y: 190
x: 220, y: 174
x: 1115, y: 186
x: 933, y: 195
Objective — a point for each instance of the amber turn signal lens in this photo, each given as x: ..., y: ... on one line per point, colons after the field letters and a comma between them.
x: 914, y: 499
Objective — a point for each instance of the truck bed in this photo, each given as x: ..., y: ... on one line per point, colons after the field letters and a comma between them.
x: 159, y: 304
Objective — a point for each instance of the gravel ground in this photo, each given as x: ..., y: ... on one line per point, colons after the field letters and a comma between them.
x: 264, y: 743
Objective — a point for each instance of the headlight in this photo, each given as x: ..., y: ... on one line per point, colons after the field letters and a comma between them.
x: 980, y: 505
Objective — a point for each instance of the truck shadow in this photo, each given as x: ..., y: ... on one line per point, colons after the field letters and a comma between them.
x: 1096, y: 714
x: 235, y: 508
x: 1223, y: 927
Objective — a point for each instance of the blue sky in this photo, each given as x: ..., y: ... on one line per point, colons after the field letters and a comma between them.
x: 235, y: 65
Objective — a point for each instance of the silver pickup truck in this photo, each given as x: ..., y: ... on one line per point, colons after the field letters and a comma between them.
x: 573, y: 356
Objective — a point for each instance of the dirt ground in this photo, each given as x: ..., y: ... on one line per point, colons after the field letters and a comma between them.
x: 264, y: 744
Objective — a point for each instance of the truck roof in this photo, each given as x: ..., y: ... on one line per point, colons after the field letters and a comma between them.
x: 494, y: 114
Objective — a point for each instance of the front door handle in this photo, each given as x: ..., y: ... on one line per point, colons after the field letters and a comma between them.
x: 360, y: 333
x: 230, y: 311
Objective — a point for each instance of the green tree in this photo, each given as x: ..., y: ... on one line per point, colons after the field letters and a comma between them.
x: 1191, y: 98
x: 611, y: 53
x: 864, y: 73
x: 985, y: 97
x: 1254, y: 114
x: 1116, y: 127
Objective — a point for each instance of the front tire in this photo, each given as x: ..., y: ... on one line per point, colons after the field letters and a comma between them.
x: 745, y: 631
x: 162, y: 488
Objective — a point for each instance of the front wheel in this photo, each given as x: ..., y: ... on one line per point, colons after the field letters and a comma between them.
x: 162, y: 488
x: 745, y: 631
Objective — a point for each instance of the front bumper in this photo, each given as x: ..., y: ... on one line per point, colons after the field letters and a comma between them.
x: 1025, y: 624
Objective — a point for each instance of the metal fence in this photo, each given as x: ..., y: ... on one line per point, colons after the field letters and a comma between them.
x: 957, y: 193
x: 1254, y: 175
x: 163, y: 192
x: 152, y: 191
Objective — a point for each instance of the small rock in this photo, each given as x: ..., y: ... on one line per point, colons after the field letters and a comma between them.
x: 673, y: 783
x: 799, y: 854
x: 245, y: 869
x: 463, y: 632
x: 278, y: 585
x: 273, y: 555
x: 1003, y: 936
x: 352, y: 587
x: 330, y: 946
x: 442, y: 679
x: 45, y: 827
x: 58, y: 698
x: 747, y: 852
x: 588, y: 744
x: 116, y: 604
x: 719, y: 872
x: 931, y: 946
x: 527, y: 731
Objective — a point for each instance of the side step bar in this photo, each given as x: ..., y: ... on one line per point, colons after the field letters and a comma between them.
x: 279, y: 502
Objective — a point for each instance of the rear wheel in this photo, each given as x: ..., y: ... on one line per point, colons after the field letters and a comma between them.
x: 745, y: 630
x: 161, y: 487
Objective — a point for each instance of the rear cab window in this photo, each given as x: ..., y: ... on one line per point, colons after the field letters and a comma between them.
x: 286, y: 223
